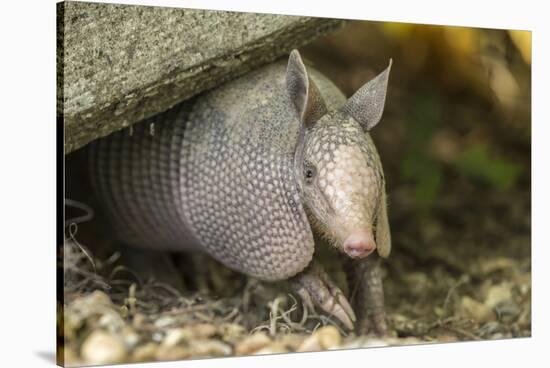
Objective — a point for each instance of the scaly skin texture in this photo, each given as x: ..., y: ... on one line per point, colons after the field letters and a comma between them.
x: 230, y: 173
x: 367, y: 295
x: 349, y: 176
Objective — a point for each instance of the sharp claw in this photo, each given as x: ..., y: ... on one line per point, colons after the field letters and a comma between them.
x: 346, y: 306
x: 339, y: 297
x: 317, y: 289
x: 337, y: 311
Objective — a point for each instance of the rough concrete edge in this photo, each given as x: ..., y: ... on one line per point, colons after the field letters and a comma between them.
x: 81, y: 131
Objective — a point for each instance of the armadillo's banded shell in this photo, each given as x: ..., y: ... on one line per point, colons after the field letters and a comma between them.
x: 242, y: 194
x: 136, y: 175
x: 217, y: 174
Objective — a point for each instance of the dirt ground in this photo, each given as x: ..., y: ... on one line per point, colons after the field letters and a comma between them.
x: 455, y: 145
x: 447, y: 291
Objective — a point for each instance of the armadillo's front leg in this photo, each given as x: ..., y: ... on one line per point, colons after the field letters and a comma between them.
x: 367, y: 295
x: 316, y: 288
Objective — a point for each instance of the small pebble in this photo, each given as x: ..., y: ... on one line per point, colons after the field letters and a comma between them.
x: 145, y: 352
x: 96, y: 298
x: 157, y: 336
x: 231, y: 331
x: 496, y: 264
x: 311, y: 343
x: 71, y: 325
x: 352, y: 343
x: 174, y: 336
x: 209, y: 348
x: 172, y: 353
x: 111, y: 321
x: 476, y: 310
x: 292, y: 341
x: 139, y: 321
x: 371, y: 342
x: 446, y: 338
x: 252, y: 343
x: 524, y: 319
x: 203, y: 330
x: 327, y: 337
x: 81, y: 309
x: 275, y: 348
x: 498, y: 294
x: 71, y: 358
x: 164, y: 321
x: 508, y: 311
x: 489, y: 328
x: 524, y: 289
x: 404, y: 341
x: 103, y: 348
x: 374, y: 343
x: 131, y: 338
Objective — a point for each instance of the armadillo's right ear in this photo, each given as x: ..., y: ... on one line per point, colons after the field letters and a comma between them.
x: 303, y: 93
x: 367, y: 104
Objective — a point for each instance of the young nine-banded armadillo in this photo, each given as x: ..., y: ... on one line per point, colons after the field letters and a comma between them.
x: 249, y: 171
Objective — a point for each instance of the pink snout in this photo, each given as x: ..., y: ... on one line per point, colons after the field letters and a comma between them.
x: 359, y: 244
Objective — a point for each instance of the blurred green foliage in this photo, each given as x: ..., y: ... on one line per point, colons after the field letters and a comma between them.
x: 425, y: 172
x: 418, y: 167
x: 427, y: 177
x: 476, y: 162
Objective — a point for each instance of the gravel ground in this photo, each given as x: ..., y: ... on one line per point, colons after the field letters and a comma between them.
x: 441, y: 294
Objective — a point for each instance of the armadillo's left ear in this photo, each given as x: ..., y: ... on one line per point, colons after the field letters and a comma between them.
x: 367, y: 104
x: 303, y: 92
x: 383, y: 235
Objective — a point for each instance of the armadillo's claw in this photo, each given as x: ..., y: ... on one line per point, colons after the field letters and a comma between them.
x: 337, y: 294
x: 315, y: 288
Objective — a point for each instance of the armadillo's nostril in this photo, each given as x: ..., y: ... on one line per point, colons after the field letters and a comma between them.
x: 359, y: 245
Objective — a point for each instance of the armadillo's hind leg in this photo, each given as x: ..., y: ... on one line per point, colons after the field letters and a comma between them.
x: 367, y: 295
x: 151, y: 265
x: 316, y: 288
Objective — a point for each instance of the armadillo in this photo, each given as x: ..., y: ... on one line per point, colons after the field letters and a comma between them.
x: 249, y: 172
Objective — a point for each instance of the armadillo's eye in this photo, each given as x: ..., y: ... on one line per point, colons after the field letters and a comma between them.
x: 309, y: 172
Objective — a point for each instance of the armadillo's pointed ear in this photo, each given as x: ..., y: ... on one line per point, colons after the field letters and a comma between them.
x: 383, y: 235
x: 303, y: 92
x: 367, y: 104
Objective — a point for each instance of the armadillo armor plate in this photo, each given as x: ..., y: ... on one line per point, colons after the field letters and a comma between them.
x: 214, y: 173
